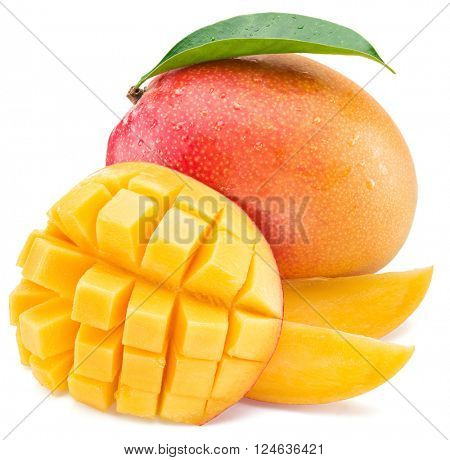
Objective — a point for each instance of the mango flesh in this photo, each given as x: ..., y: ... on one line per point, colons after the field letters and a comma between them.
x: 286, y: 138
x: 370, y: 305
x: 149, y: 298
x: 315, y: 365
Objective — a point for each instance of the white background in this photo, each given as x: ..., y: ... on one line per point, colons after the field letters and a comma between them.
x: 53, y: 132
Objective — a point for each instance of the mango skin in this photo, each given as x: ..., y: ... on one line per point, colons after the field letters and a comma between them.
x: 304, y: 131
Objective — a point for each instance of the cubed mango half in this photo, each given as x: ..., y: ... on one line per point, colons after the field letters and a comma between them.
x: 147, y: 290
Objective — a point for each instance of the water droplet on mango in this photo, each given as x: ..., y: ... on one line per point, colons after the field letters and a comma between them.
x: 370, y: 184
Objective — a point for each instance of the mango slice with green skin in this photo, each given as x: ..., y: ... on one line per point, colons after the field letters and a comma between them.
x: 316, y: 365
x: 144, y: 284
x: 370, y: 305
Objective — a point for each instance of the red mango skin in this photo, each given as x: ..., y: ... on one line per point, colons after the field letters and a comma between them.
x: 314, y: 160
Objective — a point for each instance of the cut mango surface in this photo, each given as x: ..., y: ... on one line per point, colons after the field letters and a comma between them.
x: 24, y: 353
x: 315, y: 365
x: 25, y: 296
x: 149, y: 290
x: 52, y: 372
x: 371, y: 305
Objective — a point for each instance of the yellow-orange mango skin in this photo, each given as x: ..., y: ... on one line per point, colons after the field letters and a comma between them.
x: 370, y: 305
x: 314, y: 365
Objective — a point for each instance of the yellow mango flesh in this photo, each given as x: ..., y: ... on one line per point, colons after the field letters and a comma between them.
x: 315, y: 365
x: 101, y: 297
x: 24, y: 353
x: 148, y: 316
x: 95, y: 393
x: 121, y: 224
x: 136, y: 402
x: 25, y: 296
x: 142, y: 370
x: 55, y: 266
x: 98, y: 354
x: 77, y: 212
x: 47, y: 329
x: 52, y: 372
x: 371, y: 305
x: 144, y: 281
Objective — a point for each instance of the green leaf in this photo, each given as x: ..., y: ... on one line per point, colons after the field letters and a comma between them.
x: 264, y: 33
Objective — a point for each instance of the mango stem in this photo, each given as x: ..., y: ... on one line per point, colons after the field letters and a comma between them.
x: 134, y: 94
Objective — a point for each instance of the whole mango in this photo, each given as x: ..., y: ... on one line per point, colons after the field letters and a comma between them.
x: 314, y: 160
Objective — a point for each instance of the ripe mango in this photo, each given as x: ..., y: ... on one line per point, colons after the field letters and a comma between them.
x: 310, y: 156
x: 149, y: 288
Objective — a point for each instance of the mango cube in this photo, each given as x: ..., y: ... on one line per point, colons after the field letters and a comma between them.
x: 248, y: 329
x: 101, y: 297
x: 182, y: 409
x: 124, y: 225
x: 236, y: 222
x: 189, y: 376
x: 195, y: 199
x: 47, y: 328
x: 116, y: 177
x: 77, y: 212
x: 257, y: 294
x: 98, y: 354
x: 52, y: 372
x: 24, y: 354
x: 142, y: 370
x: 233, y: 376
x: 137, y: 402
x: 45, y: 235
x: 148, y: 317
x: 214, y: 407
x: 159, y: 186
x: 26, y: 295
x: 92, y: 392
x: 200, y: 329
x: 171, y: 247
x: 53, y: 230
x: 55, y: 266
x: 222, y: 258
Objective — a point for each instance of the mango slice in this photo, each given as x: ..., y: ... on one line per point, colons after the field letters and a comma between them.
x: 315, y: 365
x: 146, y: 285
x: 371, y: 305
